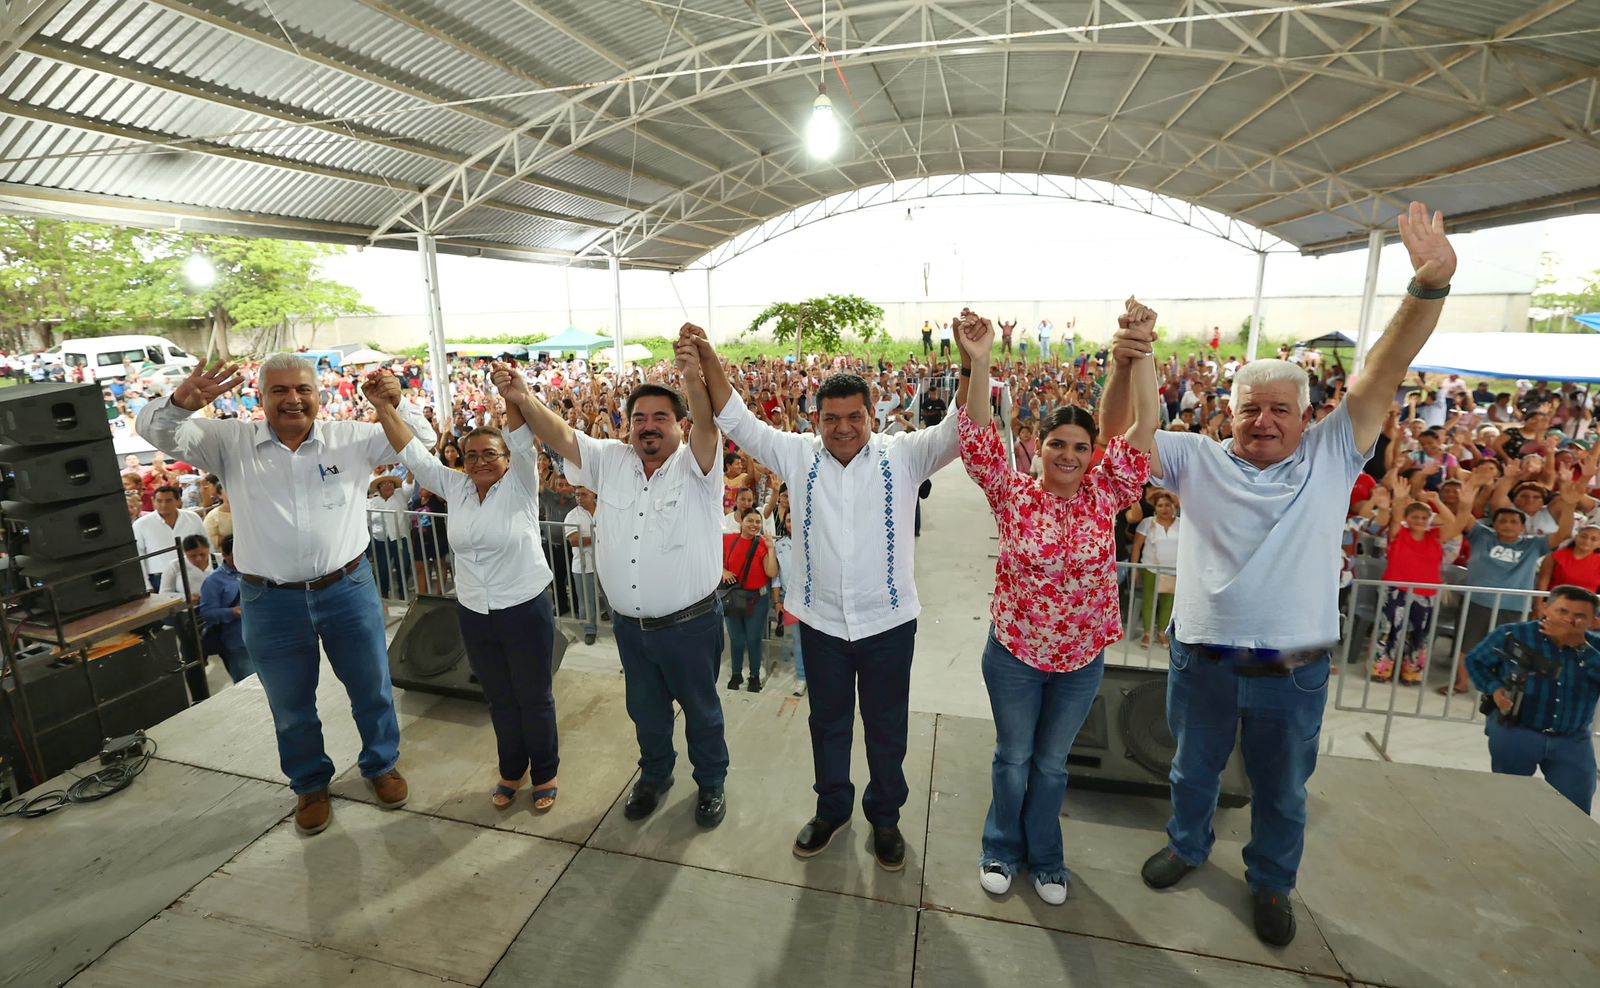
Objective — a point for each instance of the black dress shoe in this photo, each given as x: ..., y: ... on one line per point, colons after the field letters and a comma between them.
x: 1274, y: 918
x: 755, y: 684
x: 588, y: 638
x: 735, y: 682
x: 1163, y: 869
x: 815, y: 836
x: 642, y: 800
x: 711, y: 807
x: 889, y: 847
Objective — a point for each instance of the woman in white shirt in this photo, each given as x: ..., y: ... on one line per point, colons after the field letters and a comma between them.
x: 502, y: 588
x: 196, y: 559
x: 1155, y: 543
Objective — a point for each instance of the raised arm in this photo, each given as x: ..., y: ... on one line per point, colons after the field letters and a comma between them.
x: 165, y: 422
x: 1434, y: 261
x: 1136, y: 330
x: 376, y: 389
x: 779, y: 451
x: 705, y: 441
x: 975, y: 336
x: 547, y: 426
x: 1564, y: 508
x: 514, y: 416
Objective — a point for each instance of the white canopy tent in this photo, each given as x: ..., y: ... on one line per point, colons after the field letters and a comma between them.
x: 631, y: 353
x: 1535, y: 356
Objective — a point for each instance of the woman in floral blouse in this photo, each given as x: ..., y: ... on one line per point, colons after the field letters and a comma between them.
x: 1055, y: 597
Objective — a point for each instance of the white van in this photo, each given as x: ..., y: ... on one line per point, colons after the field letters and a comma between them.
x: 103, y: 357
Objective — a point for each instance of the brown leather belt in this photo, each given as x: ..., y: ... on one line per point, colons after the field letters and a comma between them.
x: 320, y: 583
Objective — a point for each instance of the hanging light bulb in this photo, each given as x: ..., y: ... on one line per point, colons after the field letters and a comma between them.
x: 822, y: 130
x: 198, y: 272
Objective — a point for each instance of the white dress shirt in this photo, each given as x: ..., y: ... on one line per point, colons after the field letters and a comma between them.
x: 172, y: 583
x: 662, y: 549
x: 386, y: 517
x: 495, y: 542
x: 151, y: 533
x: 297, y: 515
x: 580, y: 523
x: 855, y: 558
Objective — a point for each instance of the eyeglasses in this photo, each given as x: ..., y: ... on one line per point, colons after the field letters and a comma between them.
x: 486, y: 457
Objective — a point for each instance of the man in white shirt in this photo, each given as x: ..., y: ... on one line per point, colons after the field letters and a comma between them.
x: 945, y: 339
x: 579, y: 530
x: 1256, y: 609
x: 856, y: 597
x: 297, y: 488
x: 158, y: 530
x: 387, y: 523
x: 1046, y: 330
x: 659, y: 501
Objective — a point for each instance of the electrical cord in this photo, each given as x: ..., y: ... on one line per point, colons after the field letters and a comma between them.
x: 109, y: 780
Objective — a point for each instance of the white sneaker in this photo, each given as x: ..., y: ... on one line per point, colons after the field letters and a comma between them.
x: 1053, y: 893
x: 994, y: 879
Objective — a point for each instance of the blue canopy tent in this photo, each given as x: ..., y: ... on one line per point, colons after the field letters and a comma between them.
x: 1534, y: 356
x: 1592, y: 320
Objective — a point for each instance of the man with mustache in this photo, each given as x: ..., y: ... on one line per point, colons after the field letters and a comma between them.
x: 658, y: 519
x: 298, y: 493
x: 855, y: 493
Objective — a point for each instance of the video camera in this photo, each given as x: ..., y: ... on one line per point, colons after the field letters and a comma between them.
x: 1524, y: 662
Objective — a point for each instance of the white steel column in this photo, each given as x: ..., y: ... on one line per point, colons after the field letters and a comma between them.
x: 438, y: 364
x: 616, y: 313
x: 1369, y: 295
x: 711, y: 310
x: 1255, y: 313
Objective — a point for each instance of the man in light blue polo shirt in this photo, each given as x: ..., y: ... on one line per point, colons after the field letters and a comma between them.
x: 1258, y: 586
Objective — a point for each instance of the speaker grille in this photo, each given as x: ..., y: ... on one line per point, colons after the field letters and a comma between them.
x: 1142, y: 721
x: 434, y: 646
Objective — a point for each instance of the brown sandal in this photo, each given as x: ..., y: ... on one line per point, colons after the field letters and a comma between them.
x: 544, y: 799
x: 503, y: 795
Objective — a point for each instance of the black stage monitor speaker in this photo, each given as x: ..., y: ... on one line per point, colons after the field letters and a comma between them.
x: 68, y: 528
x: 43, y: 414
x: 1126, y: 746
x: 84, y: 584
x: 427, y: 655
x: 43, y: 474
x: 138, y: 685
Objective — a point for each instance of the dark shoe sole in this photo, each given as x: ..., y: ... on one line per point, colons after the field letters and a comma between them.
x: 799, y: 852
x: 712, y: 823
x: 631, y: 815
x: 886, y: 866
x: 1165, y: 883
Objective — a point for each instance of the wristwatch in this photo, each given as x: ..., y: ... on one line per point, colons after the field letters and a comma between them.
x: 1417, y: 291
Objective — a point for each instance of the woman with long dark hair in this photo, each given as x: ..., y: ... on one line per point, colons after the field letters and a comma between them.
x: 1055, y: 599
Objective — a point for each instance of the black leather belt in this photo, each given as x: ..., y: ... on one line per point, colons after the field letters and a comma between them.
x: 1255, y: 663
x: 689, y: 613
x: 319, y: 583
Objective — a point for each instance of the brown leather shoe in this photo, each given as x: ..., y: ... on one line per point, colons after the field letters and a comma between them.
x: 313, y: 812
x: 391, y: 790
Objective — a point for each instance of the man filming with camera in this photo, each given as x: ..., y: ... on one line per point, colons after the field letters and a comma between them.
x: 1541, y: 681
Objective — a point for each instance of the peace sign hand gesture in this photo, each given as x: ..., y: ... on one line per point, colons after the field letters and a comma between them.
x: 205, y: 385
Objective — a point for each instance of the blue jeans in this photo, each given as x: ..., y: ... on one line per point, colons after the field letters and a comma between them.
x: 879, y: 668
x: 281, y: 630
x: 745, y: 634
x: 388, y: 558
x: 1282, y: 720
x: 678, y: 662
x: 238, y: 662
x: 1566, y: 760
x: 588, y: 602
x: 1037, y: 715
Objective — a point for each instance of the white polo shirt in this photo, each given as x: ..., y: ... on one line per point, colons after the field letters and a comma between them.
x: 662, y: 547
x: 1259, y: 560
x: 855, y: 558
x: 297, y: 515
x: 151, y: 533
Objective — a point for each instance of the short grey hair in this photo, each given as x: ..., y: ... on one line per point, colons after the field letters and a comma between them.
x: 1273, y: 371
x: 286, y: 362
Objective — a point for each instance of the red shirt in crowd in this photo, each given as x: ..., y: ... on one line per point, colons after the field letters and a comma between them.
x: 1055, y: 595
x: 1567, y: 570
x: 735, y: 550
x: 1414, y: 560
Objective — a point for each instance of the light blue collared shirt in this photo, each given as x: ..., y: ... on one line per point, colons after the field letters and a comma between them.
x: 1259, y: 562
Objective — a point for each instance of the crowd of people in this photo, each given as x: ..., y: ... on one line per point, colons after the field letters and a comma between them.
x: 692, y: 500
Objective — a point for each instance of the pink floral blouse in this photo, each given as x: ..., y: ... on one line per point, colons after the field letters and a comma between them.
x: 1055, y: 594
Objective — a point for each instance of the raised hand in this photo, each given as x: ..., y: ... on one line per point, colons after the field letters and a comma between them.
x: 689, y: 329
x: 1432, y: 257
x: 974, y: 334
x: 205, y: 385
x: 381, y: 387
x: 1135, y: 337
x: 508, y: 381
x: 686, y: 353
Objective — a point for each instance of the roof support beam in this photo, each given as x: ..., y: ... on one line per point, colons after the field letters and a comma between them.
x: 22, y: 20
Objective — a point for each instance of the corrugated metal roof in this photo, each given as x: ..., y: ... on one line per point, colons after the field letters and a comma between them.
x: 321, y: 117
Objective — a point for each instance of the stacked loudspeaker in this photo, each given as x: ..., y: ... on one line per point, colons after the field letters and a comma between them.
x: 66, y: 520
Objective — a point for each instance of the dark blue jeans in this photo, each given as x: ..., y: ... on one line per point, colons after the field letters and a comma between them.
x: 1207, y: 702
x: 879, y: 669
x: 1037, y: 715
x: 388, y: 558
x: 1566, y: 760
x: 745, y: 634
x: 282, y: 629
x: 679, y: 662
x: 511, y: 651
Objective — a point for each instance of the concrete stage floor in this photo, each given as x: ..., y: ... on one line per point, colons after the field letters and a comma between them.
x: 1414, y: 876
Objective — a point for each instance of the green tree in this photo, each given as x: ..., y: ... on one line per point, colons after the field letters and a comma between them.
x: 823, y: 321
x: 1560, y: 305
x: 64, y: 277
